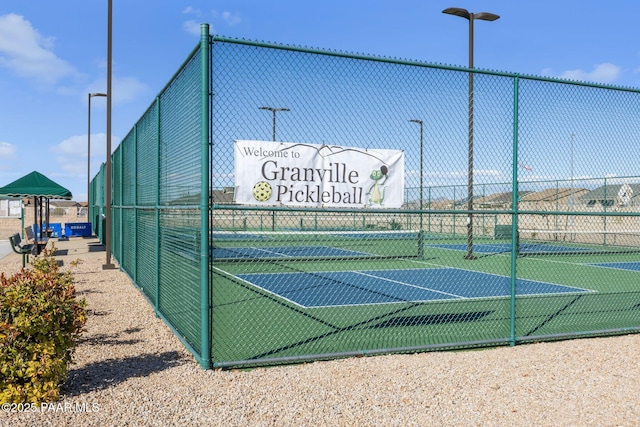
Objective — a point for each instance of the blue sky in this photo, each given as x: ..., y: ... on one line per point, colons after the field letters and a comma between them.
x: 52, y: 54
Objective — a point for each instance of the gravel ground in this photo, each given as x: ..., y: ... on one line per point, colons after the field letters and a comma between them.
x: 130, y: 370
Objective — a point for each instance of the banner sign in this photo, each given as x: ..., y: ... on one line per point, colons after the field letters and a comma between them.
x: 312, y: 175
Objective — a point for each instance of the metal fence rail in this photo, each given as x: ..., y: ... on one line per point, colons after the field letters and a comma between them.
x: 547, y: 247
x: 157, y: 213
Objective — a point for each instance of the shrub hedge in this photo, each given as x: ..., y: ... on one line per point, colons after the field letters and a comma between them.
x: 41, y: 319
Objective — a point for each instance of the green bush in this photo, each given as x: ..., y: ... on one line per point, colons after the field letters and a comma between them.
x: 40, y: 322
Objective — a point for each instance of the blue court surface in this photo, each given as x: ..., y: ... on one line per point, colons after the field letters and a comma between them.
x: 620, y: 265
x: 360, y: 235
x: 344, y: 288
x: 494, y: 248
x: 378, y: 235
x: 283, y: 252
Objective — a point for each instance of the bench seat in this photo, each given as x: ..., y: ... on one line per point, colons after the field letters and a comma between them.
x: 21, y: 248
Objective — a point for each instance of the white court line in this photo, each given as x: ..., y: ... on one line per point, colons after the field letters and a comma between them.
x: 409, y: 284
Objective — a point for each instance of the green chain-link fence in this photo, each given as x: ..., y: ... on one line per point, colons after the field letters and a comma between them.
x: 157, y: 212
x: 339, y: 220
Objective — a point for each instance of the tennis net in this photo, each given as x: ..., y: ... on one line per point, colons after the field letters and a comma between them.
x: 569, y: 242
x: 330, y: 245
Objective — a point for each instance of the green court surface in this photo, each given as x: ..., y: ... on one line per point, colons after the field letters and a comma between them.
x: 244, y: 279
x: 297, y: 305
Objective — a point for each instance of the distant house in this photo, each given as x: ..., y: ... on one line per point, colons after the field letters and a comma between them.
x: 64, y: 208
x: 463, y: 202
x: 10, y: 207
x: 218, y: 196
x: 551, y: 198
x: 84, y: 209
x: 499, y: 200
x: 613, y: 195
x: 224, y: 196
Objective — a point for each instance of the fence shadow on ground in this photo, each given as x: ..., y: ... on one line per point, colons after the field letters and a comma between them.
x: 96, y: 247
x: 107, y: 373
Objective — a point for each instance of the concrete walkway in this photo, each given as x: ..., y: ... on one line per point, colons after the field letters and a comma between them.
x: 5, y: 248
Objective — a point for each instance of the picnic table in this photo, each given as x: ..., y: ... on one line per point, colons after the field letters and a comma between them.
x: 39, y: 241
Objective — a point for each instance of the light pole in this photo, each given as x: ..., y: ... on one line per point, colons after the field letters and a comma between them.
x: 274, y: 111
x: 571, y: 171
x: 571, y: 197
x: 91, y: 95
x: 471, y: 17
x: 107, y: 184
x: 421, y: 185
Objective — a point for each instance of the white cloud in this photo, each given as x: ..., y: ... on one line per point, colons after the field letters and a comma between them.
x: 71, y: 154
x: 231, y: 18
x: 601, y: 73
x: 487, y: 172
x: 28, y: 54
x: 548, y: 72
x: 73, y: 169
x: 75, y: 145
x: 7, y: 151
x: 194, y: 11
x: 191, y: 27
x: 125, y: 89
x: 99, y: 145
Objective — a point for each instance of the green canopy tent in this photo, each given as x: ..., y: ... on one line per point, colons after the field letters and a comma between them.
x: 40, y: 188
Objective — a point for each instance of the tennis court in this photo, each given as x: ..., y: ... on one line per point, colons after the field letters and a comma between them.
x: 294, y: 244
x: 330, y: 288
x: 338, y: 286
x: 349, y: 230
x: 317, y: 291
x: 549, y: 242
x: 496, y: 248
x: 633, y: 265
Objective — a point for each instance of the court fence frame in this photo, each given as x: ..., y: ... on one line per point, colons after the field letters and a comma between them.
x: 179, y: 151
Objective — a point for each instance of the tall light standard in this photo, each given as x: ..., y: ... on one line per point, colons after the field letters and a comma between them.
x: 571, y: 171
x: 274, y: 111
x: 107, y: 229
x: 571, y: 197
x: 421, y: 185
x: 91, y: 95
x: 471, y: 17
